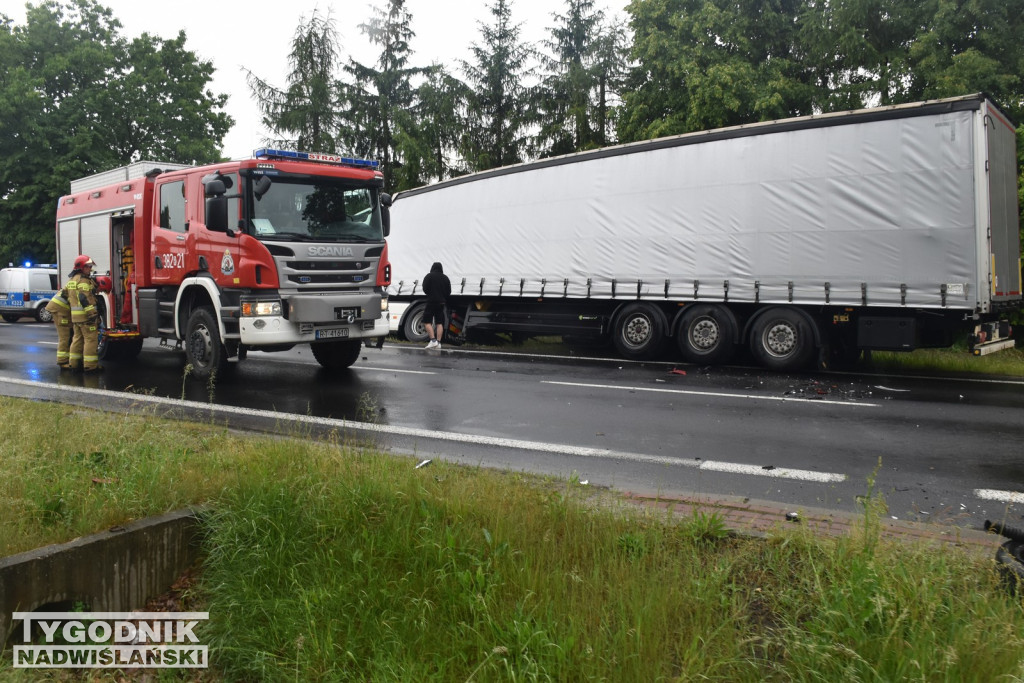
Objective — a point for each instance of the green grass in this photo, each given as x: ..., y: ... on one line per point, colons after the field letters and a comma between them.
x: 1008, y: 363
x: 330, y: 562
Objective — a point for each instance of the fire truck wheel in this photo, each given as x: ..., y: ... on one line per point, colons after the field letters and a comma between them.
x: 337, y: 355
x: 203, y: 347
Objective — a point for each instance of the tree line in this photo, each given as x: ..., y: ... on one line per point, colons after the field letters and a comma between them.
x: 76, y: 97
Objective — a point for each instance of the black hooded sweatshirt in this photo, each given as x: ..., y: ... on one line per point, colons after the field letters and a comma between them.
x: 436, y: 285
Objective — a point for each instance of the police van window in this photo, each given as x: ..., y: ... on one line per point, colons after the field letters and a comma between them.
x: 172, y: 206
x: 40, y: 282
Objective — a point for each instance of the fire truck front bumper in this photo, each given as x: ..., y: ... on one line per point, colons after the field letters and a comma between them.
x: 276, y: 330
x: 313, y: 318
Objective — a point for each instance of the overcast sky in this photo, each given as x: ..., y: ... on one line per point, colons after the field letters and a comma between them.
x: 257, y: 36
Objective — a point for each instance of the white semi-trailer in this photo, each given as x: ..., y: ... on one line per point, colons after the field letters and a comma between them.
x: 808, y: 239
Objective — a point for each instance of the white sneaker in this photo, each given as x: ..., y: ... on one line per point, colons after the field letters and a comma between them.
x: 437, y: 344
x: 430, y: 344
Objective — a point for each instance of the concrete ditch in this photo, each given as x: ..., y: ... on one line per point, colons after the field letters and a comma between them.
x: 116, y: 570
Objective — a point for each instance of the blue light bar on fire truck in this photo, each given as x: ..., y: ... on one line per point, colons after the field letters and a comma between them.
x: 288, y: 155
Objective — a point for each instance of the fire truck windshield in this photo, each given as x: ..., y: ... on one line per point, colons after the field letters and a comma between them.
x: 316, y: 210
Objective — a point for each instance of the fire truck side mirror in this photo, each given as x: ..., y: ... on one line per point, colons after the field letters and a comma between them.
x: 217, y: 213
x: 385, y: 212
x: 262, y: 187
x: 216, y: 204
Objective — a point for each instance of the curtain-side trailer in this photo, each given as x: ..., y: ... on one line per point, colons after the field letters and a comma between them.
x: 807, y: 239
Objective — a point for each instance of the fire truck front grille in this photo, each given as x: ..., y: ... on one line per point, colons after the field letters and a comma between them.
x: 328, y: 278
x: 328, y: 265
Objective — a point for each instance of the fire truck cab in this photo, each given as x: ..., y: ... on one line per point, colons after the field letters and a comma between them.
x: 282, y: 249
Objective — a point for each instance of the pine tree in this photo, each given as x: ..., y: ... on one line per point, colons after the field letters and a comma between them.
x: 500, y: 106
x: 379, y: 97
x: 303, y: 115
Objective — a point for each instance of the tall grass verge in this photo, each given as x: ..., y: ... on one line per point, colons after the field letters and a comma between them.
x: 362, y: 568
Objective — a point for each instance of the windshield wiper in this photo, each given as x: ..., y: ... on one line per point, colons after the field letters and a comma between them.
x: 351, y: 238
x: 297, y: 236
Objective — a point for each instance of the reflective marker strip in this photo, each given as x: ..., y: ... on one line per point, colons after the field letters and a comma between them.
x: 456, y: 437
x: 1001, y: 496
x: 754, y: 397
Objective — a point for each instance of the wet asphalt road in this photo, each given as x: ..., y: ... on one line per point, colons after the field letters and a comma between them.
x: 945, y: 450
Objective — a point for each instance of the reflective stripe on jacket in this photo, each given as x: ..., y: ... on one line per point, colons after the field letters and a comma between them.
x: 59, y: 302
x: 82, y: 298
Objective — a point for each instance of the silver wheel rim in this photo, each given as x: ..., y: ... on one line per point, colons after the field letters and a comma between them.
x: 779, y: 339
x: 200, y: 344
x: 704, y: 334
x: 637, y: 330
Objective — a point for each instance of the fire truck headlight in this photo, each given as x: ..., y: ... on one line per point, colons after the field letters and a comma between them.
x: 261, y: 308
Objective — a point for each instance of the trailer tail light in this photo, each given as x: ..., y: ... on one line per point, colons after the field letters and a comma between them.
x: 384, y: 268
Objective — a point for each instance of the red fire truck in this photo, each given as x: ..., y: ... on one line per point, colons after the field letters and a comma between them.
x: 282, y: 249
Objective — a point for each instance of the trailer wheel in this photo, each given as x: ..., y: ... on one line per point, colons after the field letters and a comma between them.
x: 203, y: 348
x: 43, y: 315
x: 412, y: 327
x: 639, y: 332
x: 337, y: 355
x: 706, y: 334
x: 782, y: 339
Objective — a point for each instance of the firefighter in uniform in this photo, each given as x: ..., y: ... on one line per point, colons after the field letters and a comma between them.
x: 84, y: 316
x: 59, y: 307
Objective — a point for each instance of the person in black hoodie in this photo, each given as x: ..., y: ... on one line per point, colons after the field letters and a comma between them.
x: 437, y: 288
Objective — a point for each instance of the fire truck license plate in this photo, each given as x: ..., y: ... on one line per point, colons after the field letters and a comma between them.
x: 337, y: 333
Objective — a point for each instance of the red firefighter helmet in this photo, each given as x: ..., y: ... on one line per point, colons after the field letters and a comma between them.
x: 103, y: 283
x: 82, y: 261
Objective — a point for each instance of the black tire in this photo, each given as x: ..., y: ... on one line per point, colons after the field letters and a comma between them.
x: 639, y: 332
x: 337, y: 355
x: 412, y: 325
x: 1009, y: 566
x: 203, y: 347
x: 706, y: 334
x: 43, y: 315
x: 782, y: 339
x: 10, y: 318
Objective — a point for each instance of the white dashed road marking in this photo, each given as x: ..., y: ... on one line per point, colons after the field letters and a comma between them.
x: 716, y: 394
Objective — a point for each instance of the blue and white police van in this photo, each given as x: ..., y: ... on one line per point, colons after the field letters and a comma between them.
x: 25, y: 291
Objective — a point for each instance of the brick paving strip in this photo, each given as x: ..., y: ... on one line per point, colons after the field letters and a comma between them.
x: 748, y: 516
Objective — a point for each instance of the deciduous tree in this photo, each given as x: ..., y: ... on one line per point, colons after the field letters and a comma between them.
x: 77, y: 98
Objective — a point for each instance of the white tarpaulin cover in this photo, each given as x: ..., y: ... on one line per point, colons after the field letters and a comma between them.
x: 880, y: 208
